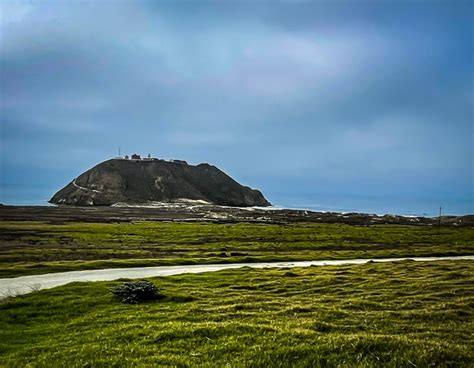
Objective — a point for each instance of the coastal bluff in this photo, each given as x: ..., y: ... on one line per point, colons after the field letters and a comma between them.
x: 141, y: 181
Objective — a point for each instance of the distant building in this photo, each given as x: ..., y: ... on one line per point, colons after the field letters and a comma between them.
x: 126, y: 157
x: 179, y: 162
x: 136, y: 157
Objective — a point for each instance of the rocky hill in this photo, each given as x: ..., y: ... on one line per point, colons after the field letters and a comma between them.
x: 138, y: 181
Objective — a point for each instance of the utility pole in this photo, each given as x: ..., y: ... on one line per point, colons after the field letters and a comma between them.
x: 439, y: 218
x: 120, y: 152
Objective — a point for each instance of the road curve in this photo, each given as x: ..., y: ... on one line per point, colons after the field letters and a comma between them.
x: 27, y: 284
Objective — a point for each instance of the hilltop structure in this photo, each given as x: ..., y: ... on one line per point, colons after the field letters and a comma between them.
x: 141, y: 180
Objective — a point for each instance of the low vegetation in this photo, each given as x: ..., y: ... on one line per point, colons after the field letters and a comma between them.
x: 403, y: 314
x: 38, y: 247
x: 134, y: 292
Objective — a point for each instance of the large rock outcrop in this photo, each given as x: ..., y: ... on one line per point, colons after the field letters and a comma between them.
x: 152, y: 180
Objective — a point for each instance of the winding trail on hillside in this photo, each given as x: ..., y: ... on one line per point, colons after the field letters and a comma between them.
x: 27, y: 284
x: 84, y: 188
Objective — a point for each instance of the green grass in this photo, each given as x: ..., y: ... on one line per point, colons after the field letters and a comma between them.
x: 404, y: 314
x: 36, y: 247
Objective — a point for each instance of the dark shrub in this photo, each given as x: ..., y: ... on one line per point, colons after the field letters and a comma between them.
x: 135, y: 292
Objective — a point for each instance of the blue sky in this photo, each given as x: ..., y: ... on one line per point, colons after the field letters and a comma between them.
x: 292, y: 97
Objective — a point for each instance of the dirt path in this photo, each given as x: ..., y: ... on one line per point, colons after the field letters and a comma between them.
x: 84, y: 188
x: 27, y: 284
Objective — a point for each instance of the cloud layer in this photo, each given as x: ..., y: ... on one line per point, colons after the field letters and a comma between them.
x: 369, y: 97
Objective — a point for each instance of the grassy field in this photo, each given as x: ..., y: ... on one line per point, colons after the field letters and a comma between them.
x: 35, y: 247
x: 404, y: 314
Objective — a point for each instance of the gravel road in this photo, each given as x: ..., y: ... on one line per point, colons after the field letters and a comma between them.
x: 27, y: 284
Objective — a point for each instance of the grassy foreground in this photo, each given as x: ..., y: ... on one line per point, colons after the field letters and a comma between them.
x: 36, y: 247
x: 404, y: 314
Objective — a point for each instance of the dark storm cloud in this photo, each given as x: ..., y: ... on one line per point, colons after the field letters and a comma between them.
x: 333, y: 95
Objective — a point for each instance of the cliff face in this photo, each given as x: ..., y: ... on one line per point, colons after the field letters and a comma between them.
x: 141, y: 181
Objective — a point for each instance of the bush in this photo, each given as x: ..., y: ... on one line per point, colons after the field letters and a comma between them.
x: 135, y: 292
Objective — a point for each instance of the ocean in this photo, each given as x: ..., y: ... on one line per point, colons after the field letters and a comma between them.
x: 380, y: 205
x: 407, y: 206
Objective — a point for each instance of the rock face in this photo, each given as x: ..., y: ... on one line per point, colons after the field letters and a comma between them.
x: 147, y: 180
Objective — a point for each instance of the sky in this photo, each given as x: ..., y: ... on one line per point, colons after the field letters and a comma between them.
x: 300, y: 99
